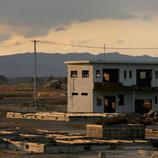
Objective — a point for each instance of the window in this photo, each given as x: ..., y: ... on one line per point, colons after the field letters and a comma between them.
x: 156, y: 99
x: 121, y: 99
x: 97, y: 73
x: 110, y: 75
x: 27, y: 146
x: 142, y: 75
x: 106, y: 77
x: 74, y: 74
x: 85, y: 73
x: 156, y: 74
x: 74, y: 93
x: 99, y: 101
x: 84, y: 93
x: 125, y: 74
x: 130, y: 74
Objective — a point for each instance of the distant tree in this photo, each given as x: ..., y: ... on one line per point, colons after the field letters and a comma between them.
x: 3, y: 79
x: 50, y: 78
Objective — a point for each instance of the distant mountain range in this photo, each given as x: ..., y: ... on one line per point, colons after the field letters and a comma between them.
x: 53, y: 64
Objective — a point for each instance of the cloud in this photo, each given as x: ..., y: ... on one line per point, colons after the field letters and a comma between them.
x: 60, y: 28
x: 120, y: 41
x: 37, y: 17
x: 86, y: 41
x: 147, y: 18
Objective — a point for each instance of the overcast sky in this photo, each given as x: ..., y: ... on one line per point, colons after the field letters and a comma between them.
x: 118, y: 23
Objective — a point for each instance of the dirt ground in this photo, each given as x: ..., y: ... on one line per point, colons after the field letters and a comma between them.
x: 16, y: 99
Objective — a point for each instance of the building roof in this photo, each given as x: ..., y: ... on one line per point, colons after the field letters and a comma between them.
x: 110, y: 62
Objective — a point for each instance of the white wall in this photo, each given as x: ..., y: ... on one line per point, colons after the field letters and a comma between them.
x: 80, y: 85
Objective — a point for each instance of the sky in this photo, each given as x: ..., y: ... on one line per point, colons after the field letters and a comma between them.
x: 115, y: 23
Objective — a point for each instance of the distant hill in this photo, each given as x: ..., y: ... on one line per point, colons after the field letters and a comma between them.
x: 53, y: 64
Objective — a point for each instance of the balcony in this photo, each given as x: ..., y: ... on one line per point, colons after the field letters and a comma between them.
x: 102, y: 86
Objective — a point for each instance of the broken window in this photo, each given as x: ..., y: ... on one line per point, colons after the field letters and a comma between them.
x: 84, y: 93
x: 74, y: 74
x: 99, y: 101
x: 110, y: 75
x: 144, y: 78
x: 27, y: 146
x: 121, y: 99
x: 156, y: 99
x: 97, y: 73
x: 142, y: 75
x: 130, y: 74
x: 85, y: 74
x: 125, y: 74
x: 156, y: 74
x: 74, y: 93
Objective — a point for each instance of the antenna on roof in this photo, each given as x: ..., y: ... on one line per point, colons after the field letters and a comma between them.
x: 104, y: 51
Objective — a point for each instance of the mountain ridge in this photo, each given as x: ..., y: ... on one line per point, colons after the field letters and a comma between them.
x: 19, y: 65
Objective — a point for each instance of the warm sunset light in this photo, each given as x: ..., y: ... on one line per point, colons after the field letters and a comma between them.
x: 121, y: 23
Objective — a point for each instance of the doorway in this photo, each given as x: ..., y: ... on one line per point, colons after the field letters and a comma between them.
x: 109, y: 104
x: 143, y: 106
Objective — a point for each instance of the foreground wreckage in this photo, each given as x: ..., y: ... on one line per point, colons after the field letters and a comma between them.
x: 104, y: 131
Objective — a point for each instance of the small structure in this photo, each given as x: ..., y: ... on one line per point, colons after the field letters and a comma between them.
x: 117, y: 131
x: 112, y: 86
x: 53, y: 84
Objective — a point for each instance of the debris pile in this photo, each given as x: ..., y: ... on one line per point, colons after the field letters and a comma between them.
x: 151, y: 117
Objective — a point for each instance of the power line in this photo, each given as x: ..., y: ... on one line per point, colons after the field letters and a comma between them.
x: 72, y: 45
x: 16, y: 43
x: 99, y: 47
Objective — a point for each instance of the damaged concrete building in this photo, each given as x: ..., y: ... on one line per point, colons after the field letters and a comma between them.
x: 112, y: 86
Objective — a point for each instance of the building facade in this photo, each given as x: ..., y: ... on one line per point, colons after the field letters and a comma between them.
x: 112, y: 86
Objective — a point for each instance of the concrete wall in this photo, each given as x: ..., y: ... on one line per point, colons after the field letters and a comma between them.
x: 129, y: 99
x: 119, y: 131
x: 80, y: 103
x: 26, y: 146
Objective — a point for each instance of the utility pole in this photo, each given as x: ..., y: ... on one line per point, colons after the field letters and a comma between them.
x: 35, y: 74
x: 104, y: 52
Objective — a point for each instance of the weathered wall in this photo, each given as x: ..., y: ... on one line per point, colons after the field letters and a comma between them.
x: 120, y: 131
x: 126, y: 67
x: 80, y: 103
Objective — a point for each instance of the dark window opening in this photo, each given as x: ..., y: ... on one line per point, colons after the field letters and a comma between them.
x: 144, y: 78
x: 84, y: 93
x: 74, y: 93
x: 74, y: 74
x: 27, y: 146
x: 125, y: 74
x: 110, y: 75
x: 156, y: 99
x: 121, y: 99
x: 130, y: 74
x: 143, y: 106
x: 156, y: 74
x: 97, y: 73
x: 109, y: 104
x: 85, y: 73
x: 99, y: 101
